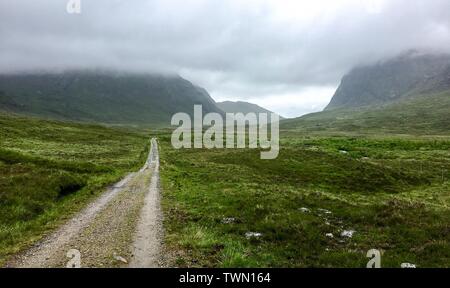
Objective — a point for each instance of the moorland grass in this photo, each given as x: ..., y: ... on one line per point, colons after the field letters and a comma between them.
x: 392, y: 190
x: 50, y: 169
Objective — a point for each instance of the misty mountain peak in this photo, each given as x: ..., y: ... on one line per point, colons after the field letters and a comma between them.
x: 409, y: 74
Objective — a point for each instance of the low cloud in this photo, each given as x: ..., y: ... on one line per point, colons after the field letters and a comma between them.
x: 288, y: 55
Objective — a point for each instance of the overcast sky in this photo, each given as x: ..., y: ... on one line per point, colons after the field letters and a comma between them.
x: 286, y: 55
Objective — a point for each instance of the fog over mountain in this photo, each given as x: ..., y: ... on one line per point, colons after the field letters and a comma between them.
x: 285, y: 55
x: 408, y: 75
x: 106, y: 97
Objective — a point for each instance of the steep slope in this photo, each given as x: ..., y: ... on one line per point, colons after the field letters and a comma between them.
x: 424, y: 114
x: 401, y: 77
x: 242, y: 107
x: 102, y: 96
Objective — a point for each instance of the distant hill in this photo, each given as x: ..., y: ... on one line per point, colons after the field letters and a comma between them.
x: 106, y: 97
x: 242, y: 107
x: 408, y: 75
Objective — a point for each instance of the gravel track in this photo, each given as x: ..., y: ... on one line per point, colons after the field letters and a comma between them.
x: 124, y: 224
x: 148, y: 238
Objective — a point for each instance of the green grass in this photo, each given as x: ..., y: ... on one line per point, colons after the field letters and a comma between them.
x: 420, y: 115
x: 393, y: 191
x: 388, y: 181
x: 49, y: 170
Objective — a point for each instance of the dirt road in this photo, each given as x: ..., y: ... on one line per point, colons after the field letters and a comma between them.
x: 122, y: 228
x: 147, y: 242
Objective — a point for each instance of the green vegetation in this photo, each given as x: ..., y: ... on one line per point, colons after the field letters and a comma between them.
x: 421, y: 115
x: 383, y: 173
x: 393, y: 191
x: 49, y: 170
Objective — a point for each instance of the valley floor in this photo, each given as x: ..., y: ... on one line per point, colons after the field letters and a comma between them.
x: 324, y: 202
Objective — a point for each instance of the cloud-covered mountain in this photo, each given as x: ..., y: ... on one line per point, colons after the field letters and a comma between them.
x: 255, y: 51
x: 107, y: 97
x: 409, y: 94
x: 408, y: 75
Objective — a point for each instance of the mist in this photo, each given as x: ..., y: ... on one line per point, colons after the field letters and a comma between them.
x: 287, y: 56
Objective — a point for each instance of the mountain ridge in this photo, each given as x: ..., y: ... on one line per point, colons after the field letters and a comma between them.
x: 243, y: 107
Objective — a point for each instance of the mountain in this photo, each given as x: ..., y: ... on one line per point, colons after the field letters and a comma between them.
x: 107, y: 97
x: 409, y: 94
x: 388, y: 81
x: 241, y: 107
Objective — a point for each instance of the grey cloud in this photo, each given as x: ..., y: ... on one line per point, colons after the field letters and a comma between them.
x: 234, y: 48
